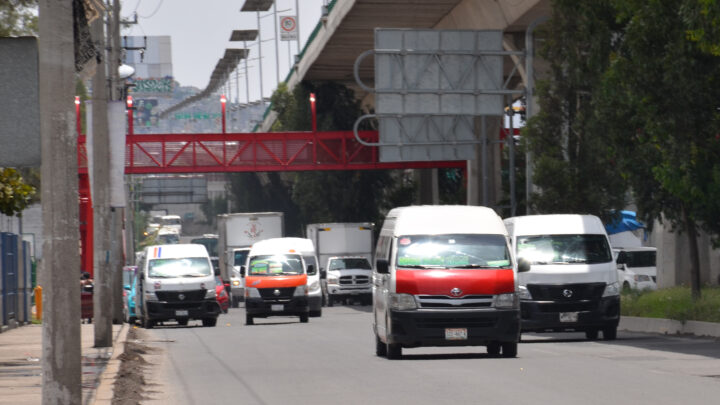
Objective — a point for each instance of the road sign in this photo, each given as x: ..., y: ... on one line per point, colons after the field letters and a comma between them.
x: 288, y: 28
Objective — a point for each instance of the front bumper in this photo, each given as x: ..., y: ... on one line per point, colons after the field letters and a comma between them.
x: 165, y: 311
x: 259, y: 307
x: 338, y: 290
x: 544, y: 316
x: 428, y: 327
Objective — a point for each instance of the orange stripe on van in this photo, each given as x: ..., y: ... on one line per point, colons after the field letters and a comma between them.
x: 275, y: 281
x: 470, y: 282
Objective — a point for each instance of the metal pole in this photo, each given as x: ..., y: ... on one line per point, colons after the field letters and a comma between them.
x: 484, y: 157
x: 277, y: 52
x: 262, y: 100
x: 511, y: 151
x: 247, y: 77
x: 297, y: 25
x: 61, y: 367
x: 529, y: 91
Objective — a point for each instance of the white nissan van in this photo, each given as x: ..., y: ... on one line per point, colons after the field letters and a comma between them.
x: 572, y: 284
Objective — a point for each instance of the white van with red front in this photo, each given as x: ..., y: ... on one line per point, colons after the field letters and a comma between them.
x: 445, y: 276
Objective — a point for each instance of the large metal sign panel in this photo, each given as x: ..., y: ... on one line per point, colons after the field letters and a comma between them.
x: 20, y: 114
x: 429, y: 86
x: 174, y: 190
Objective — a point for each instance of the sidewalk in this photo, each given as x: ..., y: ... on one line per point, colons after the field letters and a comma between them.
x: 21, y: 369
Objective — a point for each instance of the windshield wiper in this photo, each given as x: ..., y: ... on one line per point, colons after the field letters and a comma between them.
x: 473, y: 266
x: 195, y: 275
x: 422, y: 266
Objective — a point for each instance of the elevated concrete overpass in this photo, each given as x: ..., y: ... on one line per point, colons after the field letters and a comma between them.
x: 349, y: 28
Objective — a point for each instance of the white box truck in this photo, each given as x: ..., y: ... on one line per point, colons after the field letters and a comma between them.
x: 237, y: 232
x: 344, y: 253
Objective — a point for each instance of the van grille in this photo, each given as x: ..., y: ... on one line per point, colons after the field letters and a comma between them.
x: 444, y: 301
x: 450, y: 322
x: 174, y: 296
x: 578, y: 292
x: 283, y: 293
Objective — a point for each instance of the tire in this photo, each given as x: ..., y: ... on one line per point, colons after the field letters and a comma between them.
x: 626, y: 286
x: 316, y: 314
x: 182, y: 321
x: 591, y: 334
x: 132, y: 320
x: 509, y: 349
x: 330, y: 300
x: 249, y: 319
x: 304, y: 318
x: 209, y: 322
x: 394, y: 351
x: 147, y: 323
x: 610, y: 333
x: 235, y: 302
x: 493, y: 348
x: 380, y: 347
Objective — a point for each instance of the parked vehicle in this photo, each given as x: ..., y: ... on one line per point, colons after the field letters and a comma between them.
x: 348, y: 277
x: 167, y: 236
x: 129, y: 276
x: 236, y: 233
x: 276, y: 280
x: 444, y: 276
x: 572, y: 284
x: 636, y: 267
x: 307, y: 250
x: 176, y: 282
x: 172, y: 222
x: 223, y: 298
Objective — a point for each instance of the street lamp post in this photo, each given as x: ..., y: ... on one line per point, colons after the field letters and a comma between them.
x: 130, y: 115
x: 314, y: 126
x: 223, y: 100
x: 78, y: 126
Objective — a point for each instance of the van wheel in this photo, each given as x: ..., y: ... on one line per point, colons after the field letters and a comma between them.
x: 209, y: 321
x: 380, y: 348
x: 182, y: 321
x: 394, y: 351
x: 591, y: 334
x: 132, y: 320
x: 249, y: 319
x: 316, y: 314
x: 493, y: 348
x: 147, y: 323
x: 610, y: 333
x: 304, y: 318
x: 330, y: 300
x: 626, y: 286
x: 509, y: 349
x: 235, y: 302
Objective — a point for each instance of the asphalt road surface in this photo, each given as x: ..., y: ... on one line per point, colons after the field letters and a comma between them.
x: 331, y: 360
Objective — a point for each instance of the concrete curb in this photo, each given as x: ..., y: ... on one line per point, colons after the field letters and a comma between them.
x: 106, y: 388
x: 669, y: 326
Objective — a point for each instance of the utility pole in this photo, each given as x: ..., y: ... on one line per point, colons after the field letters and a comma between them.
x: 102, y: 303
x: 61, y: 368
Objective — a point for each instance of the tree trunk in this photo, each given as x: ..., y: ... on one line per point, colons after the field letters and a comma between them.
x: 694, y: 255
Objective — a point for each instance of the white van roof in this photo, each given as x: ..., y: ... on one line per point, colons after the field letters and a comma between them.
x: 445, y: 219
x: 555, y: 224
x: 285, y: 245
x: 176, y: 251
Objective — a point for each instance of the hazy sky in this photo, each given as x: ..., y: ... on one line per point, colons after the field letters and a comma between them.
x: 200, y: 32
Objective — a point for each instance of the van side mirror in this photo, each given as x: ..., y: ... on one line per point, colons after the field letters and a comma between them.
x: 242, y: 271
x: 381, y: 265
x: 323, y: 273
x: 310, y: 269
x: 523, y: 265
x: 141, y: 275
x: 621, y: 259
x: 126, y: 287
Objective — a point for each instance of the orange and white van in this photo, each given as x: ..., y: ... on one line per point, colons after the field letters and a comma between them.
x: 276, y: 280
x: 445, y: 276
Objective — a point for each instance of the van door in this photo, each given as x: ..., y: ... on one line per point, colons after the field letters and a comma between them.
x: 381, y: 284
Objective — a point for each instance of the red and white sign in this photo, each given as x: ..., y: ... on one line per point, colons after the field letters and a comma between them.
x: 288, y: 28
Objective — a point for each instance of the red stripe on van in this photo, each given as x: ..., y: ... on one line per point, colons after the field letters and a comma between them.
x: 441, y: 282
x: 275, y: 281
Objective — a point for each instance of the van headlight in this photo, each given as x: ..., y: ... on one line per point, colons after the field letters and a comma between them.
x: 236, y: 283
x: 314, y: 286
x: 301, y: 291
x: 402, y: 302
x: 524, y: 293
x: 210, y: 294
x: 252, y: 292
x: 505, y: 301
x: 150, y: 296
x: 611, y: 289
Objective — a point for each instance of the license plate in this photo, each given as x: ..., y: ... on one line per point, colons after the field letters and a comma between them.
x: 568, y: 316
x: 277, y: 307
x: 181, y: 312
x: 456, y: 334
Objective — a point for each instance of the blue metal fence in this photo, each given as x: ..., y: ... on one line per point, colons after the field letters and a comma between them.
x: 9, y: 264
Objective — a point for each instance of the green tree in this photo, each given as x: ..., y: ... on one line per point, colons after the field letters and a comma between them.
x: 660, y: 107
x: 15, y: 194
x: 18, y: 18
x: 574, y: 164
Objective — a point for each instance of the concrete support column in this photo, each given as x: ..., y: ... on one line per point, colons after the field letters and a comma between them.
x: 484, y: 173
x: 61, y: 351
x: 428, y: 191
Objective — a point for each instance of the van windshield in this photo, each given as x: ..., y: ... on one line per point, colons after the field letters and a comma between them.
x: 179, y: 267
x: 275, y: 265
x: 564, y: 249
x: 457, y: 251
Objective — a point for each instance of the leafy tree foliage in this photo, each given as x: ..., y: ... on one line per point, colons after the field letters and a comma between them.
x: 575, y: 166
x: 660, y: 104
x: 18, y: 18
x: 15, y: 194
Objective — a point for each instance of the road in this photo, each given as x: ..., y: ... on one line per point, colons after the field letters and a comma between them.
x: 331, y: 360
